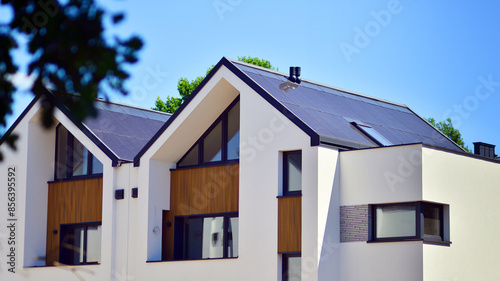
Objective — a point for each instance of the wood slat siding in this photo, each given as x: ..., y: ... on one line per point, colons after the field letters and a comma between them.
x: 197, y: 191
x: 289, y: 224
x: 71, y: 202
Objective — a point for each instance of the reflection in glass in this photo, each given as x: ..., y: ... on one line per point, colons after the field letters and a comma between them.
x: 194, y: 235
x: 432, y: 220
x: 191, y: 157
x: 294, y: 171
x: 62, y: 152
x: 94, y: 244
x: 232, y: 244
x: 213, y: 238
x: 396, y: 221
x: 96, y: 166
x: 233, y: 132
x: 212, y: 144
x: 293, y: 273
x: 80, y: 158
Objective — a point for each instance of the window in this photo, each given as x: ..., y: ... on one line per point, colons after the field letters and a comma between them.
x: 409, y: 221
x: 291, y: 267
x: 292, y: 173
x: 371, y: 133
x: 80, y: 243
x: 220, y: 143
x: 73, y: 160
x: 206, y: 237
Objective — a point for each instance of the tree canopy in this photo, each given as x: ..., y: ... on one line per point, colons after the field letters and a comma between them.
x: 446, y: 127
x: 186, y: 87
x: 68, y: 54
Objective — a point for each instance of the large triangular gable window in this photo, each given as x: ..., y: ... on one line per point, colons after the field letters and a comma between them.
x: 220, y: 143
x: 73, y: 160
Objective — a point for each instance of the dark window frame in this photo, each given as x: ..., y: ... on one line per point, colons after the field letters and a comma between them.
x: 419, y: 224
x: 64, y: 253
x: 223, y: 118
x: 286, y: 184
x: 70, y: 142
x: 180, y: 247
x: 284, y: 264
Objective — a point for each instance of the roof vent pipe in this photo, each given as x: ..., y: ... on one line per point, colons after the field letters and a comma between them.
x: 294, y: 74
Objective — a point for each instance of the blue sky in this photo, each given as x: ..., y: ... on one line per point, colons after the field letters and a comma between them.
x: 440, y: 58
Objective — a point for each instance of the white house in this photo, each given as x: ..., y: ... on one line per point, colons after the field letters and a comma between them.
x: 259, y: 175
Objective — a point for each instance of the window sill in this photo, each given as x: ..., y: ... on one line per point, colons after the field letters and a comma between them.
x: 288, y: 196
x: 442, y: 243
x: 63, y: 265
x: 208, y: 164
x: 214, y: 259
x: 77, y: 178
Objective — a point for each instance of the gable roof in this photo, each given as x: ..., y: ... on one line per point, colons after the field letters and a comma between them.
x: 119, y: 130
x: 330, y: 113
x: 327, y: 113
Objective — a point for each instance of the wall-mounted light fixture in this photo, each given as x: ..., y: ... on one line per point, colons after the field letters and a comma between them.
x: 119, y: 194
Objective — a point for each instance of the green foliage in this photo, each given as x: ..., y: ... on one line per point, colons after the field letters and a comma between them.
x: 257, y: 61
x: 446, y: 127
x: 69, y: 54
x: 186, y: 87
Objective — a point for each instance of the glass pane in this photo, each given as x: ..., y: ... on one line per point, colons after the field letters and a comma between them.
x: 212, y: 144
x: 233, y: 133
x: 94, y: 244
x: 62, y: 153
x: 376, y: 135
x: 74, y: 245
x: 232, y: 239
x: 191, y: 157
x: 80, y: 158
x: 293, y: 272
x: 193, y: 233
x: 432, y: 223
x: 294, y: 171
x: 213, y: 237
x: 96, y: 166
x: 396, y: 221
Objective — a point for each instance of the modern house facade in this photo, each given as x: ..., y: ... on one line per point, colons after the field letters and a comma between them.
x: 258, y: 176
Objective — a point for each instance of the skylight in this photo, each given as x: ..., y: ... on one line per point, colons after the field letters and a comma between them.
x: 371, y: 133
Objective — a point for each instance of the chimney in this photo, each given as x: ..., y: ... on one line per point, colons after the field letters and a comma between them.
x: 484, y: 149
x: 294, y: 74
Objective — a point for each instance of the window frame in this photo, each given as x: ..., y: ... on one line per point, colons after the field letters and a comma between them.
x: 286, y: 184
x: 180, y: 247
x: 419, y: 224
x: 375, y: 137
x: 68, y: 165
x: 223, y: 118
x: 63, y: 253
x: 284, y: 264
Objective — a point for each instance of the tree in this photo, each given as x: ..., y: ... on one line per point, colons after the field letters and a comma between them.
x: 186, y: 87
x: 446, y: 127
x: 69, y: 54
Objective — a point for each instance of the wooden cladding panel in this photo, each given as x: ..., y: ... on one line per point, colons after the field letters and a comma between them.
x: 71, y: 202
x: 289, y: 224
x: 197, y: 191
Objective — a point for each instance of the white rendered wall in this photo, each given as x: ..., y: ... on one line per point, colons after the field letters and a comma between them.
x: 471, y: 187
x: 264, y: 134
x: 328, y: 214
x: 35, y: 161
x: 382, y: 175
x: 17, y: 159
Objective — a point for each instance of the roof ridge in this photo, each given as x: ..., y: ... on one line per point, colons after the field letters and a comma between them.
x: 115, y: 103
x: 320, y: 84
x: 132, y: 106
